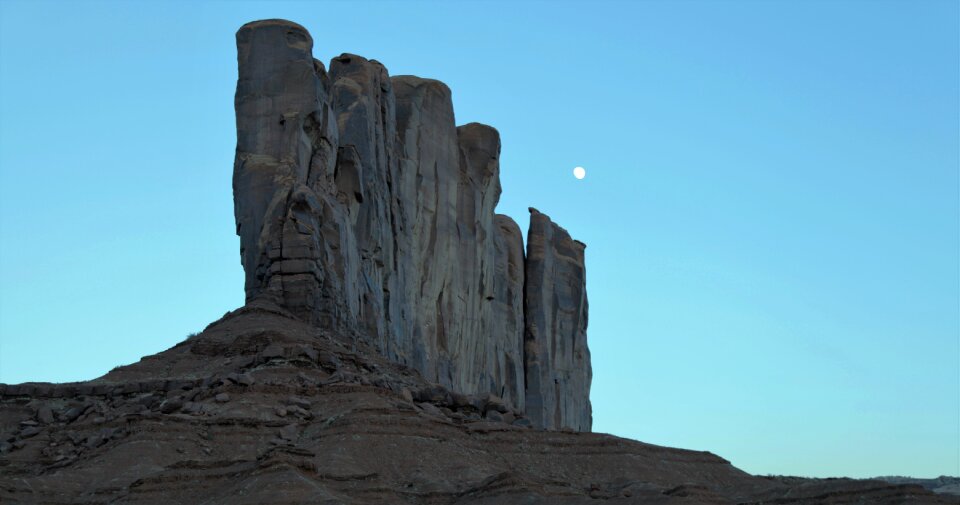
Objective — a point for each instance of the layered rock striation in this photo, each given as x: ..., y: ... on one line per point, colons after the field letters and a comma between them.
x: 362, y: 207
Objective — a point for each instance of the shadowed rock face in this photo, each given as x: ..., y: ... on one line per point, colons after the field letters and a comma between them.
x: 507, y: 322
x: 361, y: 206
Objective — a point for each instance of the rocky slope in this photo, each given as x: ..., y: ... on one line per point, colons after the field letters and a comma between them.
x: 261, y: 408
x: 940, y: 485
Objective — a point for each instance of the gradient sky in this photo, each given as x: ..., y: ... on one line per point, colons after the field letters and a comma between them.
x: 770, y: 207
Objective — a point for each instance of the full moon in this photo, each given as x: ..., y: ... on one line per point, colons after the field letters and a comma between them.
x: 579, y: 172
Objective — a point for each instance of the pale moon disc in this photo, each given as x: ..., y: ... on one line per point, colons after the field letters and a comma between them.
x: 579, y: 172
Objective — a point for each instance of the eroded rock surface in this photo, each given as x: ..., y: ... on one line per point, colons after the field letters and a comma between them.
x: 261, y: 408
x: 361, y: 206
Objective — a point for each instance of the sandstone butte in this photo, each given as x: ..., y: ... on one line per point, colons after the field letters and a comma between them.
x: 398, y: 343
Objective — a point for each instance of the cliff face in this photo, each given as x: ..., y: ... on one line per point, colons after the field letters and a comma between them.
x: 361, y: 206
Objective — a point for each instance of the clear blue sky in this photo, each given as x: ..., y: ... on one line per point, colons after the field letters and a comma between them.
x: 770, y: 207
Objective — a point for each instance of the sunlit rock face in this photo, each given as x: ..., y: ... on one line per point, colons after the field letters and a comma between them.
x: 362, y: 206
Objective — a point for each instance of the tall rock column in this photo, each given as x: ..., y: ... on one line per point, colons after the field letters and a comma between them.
x: 474, y: 347
x: 428, y: 181
x: 506, y: 327
x: 293, y: 245
x: 364, y: 103
x: 556, y: 356
x: 449, y: 186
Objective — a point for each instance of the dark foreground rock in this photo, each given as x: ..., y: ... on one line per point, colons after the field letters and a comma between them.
x: 940, y: 485
x: 261, y: 408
